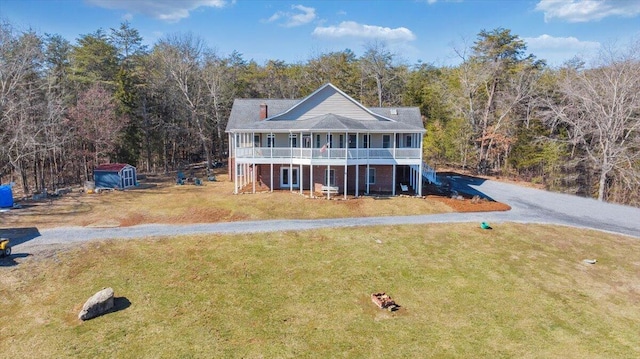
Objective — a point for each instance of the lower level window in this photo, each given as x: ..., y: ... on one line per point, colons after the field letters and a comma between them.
x: 372, y: 175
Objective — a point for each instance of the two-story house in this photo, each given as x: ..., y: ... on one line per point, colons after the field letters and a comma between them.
x: 327, y: 143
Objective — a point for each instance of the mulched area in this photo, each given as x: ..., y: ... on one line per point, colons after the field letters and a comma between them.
x: 470, y: 205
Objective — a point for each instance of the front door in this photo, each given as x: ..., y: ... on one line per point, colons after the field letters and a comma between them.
x: 289, y: 179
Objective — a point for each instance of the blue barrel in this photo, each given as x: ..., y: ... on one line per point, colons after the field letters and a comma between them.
x: 6, y: 196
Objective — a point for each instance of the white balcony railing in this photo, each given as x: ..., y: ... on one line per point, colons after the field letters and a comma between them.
x: 328, y: 153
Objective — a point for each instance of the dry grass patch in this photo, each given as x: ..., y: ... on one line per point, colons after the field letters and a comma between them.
x: 166, y: 202
x: 516, y: 291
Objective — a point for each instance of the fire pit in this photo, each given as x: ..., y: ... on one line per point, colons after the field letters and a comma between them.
x: 383, y: 301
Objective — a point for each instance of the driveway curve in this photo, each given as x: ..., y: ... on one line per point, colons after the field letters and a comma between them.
x: 528, y: 206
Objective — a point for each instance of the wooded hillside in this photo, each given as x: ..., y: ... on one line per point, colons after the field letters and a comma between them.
x: 66, y: 107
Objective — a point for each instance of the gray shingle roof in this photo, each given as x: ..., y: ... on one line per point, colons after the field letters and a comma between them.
x: 245, y: 116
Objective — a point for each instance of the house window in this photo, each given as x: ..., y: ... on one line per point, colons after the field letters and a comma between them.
x: 372, y: 176
x: 329, y: 177
x: 318, y: 145
x: 284, y: 177
x: 407, y: 141
x: 256, y: 140
x: 352, y: 141
x: 329, y: 141
x: 306, y: 141
x: 341, y: 141
x: 293, y: 140
x: 386, y: 141
x: 365, y: 141
x: 271, y: 139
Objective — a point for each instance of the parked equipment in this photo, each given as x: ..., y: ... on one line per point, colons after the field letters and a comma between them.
x: 5, y: 248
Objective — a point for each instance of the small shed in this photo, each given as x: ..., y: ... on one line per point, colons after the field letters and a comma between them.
x: 6, y: 196
x: 115, y: 175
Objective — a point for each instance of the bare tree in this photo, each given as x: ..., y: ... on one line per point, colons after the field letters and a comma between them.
x: 600, y: 107
x: 377, y: 63
x: 181, y: 58
x: 96, y: 125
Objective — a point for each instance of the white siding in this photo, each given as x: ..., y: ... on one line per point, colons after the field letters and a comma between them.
x: 328, y: 101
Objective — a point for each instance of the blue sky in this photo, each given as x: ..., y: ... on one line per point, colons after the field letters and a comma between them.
x: 294, y: 31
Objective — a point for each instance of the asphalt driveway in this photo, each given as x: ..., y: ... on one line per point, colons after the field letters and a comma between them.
x: 528, y: 206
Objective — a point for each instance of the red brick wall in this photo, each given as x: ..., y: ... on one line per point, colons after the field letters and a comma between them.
x: 384, y: 177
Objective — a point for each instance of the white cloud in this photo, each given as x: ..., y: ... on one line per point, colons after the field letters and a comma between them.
x: 355, y: 30
x: 557, y: 50
x: 587, y: 10
x: 565, y: 43
x: 302, y: 15
x: 167, y: 10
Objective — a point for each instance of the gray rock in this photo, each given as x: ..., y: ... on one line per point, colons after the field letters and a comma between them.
x: 99, y: 304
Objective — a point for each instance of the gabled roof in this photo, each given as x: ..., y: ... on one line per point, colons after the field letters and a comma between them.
x: 326, y: 109
x: 328, y: 99
x: 111, y: 167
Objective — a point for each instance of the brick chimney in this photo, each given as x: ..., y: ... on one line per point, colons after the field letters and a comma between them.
x: 263, y: 111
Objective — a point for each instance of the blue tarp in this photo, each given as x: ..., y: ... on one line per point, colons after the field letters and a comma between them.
x: 6, y: 196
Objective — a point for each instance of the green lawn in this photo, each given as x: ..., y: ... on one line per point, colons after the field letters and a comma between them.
x: 517, y: 291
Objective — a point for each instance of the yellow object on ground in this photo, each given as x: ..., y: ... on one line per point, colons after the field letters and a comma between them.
x: 5, y: 248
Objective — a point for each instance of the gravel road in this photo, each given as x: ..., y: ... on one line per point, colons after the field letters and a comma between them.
x: 528, y: 206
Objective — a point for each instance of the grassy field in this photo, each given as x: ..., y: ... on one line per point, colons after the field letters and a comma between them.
x: 517, y: 291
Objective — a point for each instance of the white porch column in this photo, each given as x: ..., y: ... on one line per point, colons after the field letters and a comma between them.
x: 395, y: 145
x: 357, y: 165
x: 235, y: 163
x: 345, y: 179
x: 300, y: 178
x: 291, y: 163
x: 393, y: 176
x: 311, y: 180
x: 420, y: 179
x: 272, y: 176
x: 290, y: 176
x: 366, y: 176
x: 357, y: 180
x: 328, y: 175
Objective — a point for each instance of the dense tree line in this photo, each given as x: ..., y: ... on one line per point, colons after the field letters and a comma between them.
x: 66, y: 107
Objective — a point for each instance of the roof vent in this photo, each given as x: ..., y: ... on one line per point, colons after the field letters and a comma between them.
x: 394, y: 111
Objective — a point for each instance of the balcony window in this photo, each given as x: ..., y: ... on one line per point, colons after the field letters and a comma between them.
x: 352, y: 141
x: 365, y: 141
x: 293, y: 140
x: 271, y: 139
x: 386, y: 141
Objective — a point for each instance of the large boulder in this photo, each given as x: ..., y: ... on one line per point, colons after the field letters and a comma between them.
x: 100, y: 303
